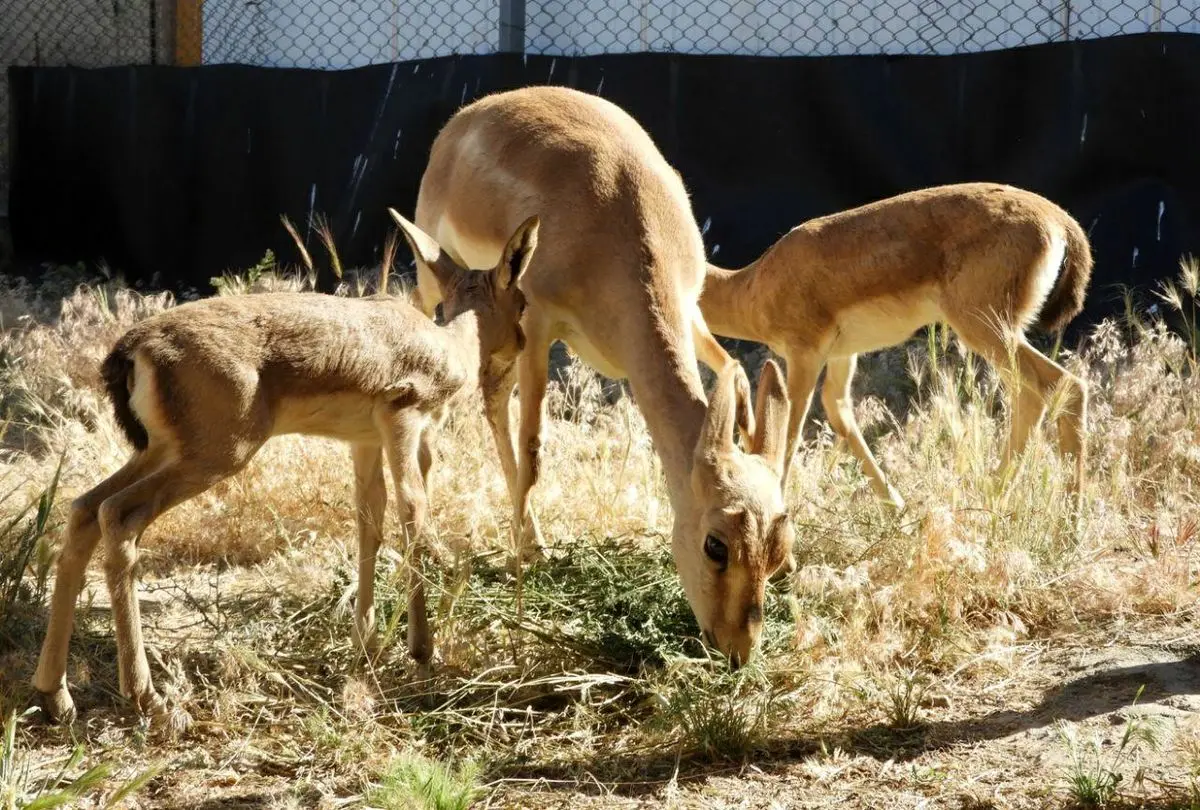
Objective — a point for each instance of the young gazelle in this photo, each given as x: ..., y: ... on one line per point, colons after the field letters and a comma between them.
x: 989, y: 260
x: 618, y: 279
x: 199, y: 388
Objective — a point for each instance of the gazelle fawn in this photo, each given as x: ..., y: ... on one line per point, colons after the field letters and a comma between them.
x: 618, y: 279
x: 199, y: 388
x: 989, y: 260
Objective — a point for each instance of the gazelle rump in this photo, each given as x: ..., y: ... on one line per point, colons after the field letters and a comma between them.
x: 617, y: 278
x: 198, y: 389
x: 988, y: 260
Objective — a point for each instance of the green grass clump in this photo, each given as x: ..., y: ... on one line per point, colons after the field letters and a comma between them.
x: 718, y: 712
x: 20, y: 790
x: 615, y: 603
x: 415, y: 782
x: 1094, y: 779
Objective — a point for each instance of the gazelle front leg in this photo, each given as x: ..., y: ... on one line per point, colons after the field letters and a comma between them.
x: 403, y: 431
x: 497, y: 395
x: 839, y: 410
x: 710, y: 352
x: 370, y: 495
x: 802, y: 371
x: 533, y: 369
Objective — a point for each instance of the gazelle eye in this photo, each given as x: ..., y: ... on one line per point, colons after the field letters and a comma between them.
x: 716, y: 550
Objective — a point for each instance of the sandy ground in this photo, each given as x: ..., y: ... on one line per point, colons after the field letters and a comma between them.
x: 994, y: 746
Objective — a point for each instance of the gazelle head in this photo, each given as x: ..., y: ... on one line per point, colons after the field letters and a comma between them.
x: 493, y: 294
x: 739, y: 532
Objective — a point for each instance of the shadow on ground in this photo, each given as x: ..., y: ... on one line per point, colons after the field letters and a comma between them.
x: 1098, y: 693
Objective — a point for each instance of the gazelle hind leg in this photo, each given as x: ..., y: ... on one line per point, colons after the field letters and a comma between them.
x: 998, y: 345
x: 838, y: 400
x: 1072, y: 430
x: 1032, y: 379
x: 82, y: 535
x: 370, y: 495
x: 123, y: 517
x: 1072, y: 413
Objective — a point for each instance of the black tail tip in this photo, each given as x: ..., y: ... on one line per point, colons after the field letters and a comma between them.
x: 115, y: 371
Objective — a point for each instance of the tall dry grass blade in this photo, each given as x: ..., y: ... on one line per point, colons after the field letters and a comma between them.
x: 1189, y: 275
x: 1169, y: 294
x: 304, y: 254
x: 388, y: 261
x: 325, y: 232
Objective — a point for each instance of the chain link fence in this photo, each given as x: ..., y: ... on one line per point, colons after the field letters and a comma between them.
x: 334, y: 34
x: 837, y: 27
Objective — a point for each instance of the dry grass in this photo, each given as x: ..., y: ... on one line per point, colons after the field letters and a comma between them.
x: 915, y: 658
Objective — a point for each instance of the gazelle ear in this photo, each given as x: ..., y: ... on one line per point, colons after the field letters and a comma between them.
x: 517, y: 253
x: 716, y: 436
x: 426, y: 250
x: 771, y: 417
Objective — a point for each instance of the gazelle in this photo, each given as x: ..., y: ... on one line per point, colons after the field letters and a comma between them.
x: 617, y: 278
x: 989, y: 260
x: 198, y: 389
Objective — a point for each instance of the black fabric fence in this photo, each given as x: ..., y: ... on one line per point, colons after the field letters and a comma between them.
x: 173, y: 175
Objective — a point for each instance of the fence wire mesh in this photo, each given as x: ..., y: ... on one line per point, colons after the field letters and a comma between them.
x: 334, y: 34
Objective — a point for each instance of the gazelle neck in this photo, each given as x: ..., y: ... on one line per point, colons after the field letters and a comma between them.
x: 728, y: 303
x: 668, y: 391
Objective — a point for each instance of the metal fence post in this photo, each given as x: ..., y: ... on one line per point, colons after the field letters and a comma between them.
x: 189, y: 32
x: 512, y: 26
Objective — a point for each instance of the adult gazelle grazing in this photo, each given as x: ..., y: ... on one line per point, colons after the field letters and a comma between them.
x: 989, y: 260
x: 618, y: 278
x: 198, y: 389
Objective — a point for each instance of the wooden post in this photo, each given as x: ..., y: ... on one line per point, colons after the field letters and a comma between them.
x: 512, y: 26
x: 189, y: 32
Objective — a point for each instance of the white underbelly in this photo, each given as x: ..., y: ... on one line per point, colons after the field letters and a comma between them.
x: 586, y: 351
x: 880, y: 323
x: 348, y: 416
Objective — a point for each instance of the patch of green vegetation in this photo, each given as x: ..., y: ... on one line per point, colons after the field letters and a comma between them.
x: 613, y: 602
x: 415, y: 782
x: 718, y: 712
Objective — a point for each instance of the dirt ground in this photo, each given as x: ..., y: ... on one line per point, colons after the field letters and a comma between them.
x: 995, y: 746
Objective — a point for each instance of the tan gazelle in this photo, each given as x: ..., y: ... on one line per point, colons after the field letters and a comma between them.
x: 198, y: 389
x: 617, y: 278
x: 989, y: 260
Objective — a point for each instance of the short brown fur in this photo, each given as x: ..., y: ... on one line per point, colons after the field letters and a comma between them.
x: 200, y: 388
x: 989, y: 260
x: 617, y: 279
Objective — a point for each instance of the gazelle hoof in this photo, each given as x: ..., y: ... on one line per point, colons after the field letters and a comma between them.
x: 366, y: 642
x: 58, y: 706
x: 529, y: 554
x: 534, y: 552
